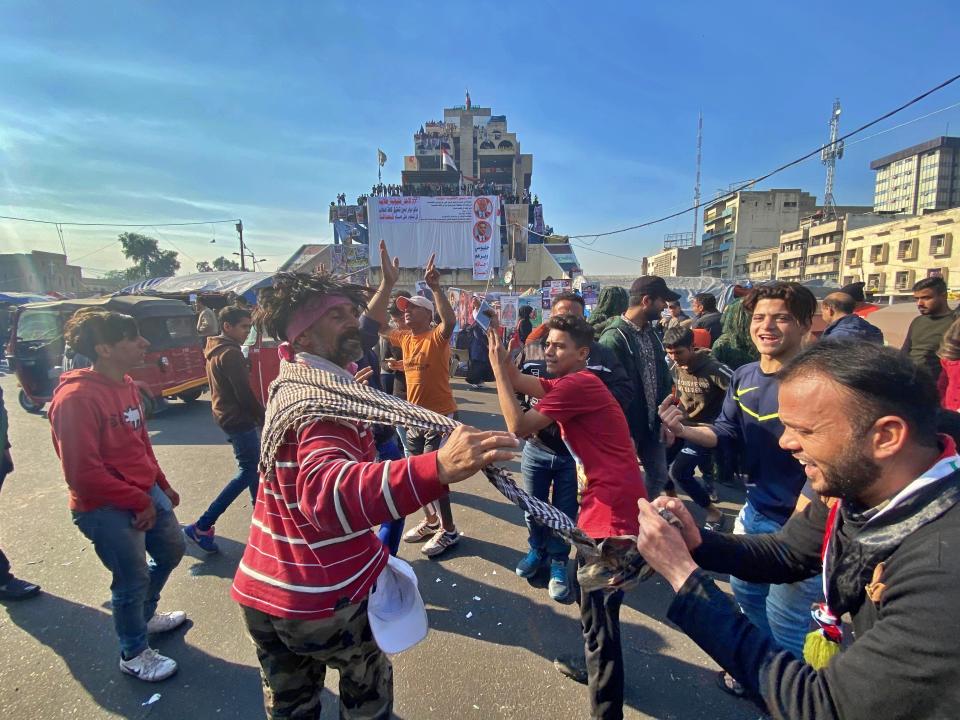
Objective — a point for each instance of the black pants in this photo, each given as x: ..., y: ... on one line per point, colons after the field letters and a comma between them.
x: 479, y: 371
x: 5, y: 575
x: 684, y: 458
x: 600, y: 620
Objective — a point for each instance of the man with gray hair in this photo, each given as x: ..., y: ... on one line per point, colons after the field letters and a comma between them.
x: 837, y: 310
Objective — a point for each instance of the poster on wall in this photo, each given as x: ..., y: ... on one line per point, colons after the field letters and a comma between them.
x: 509, y: 311
x: 549, y: 289
x: 590, y: 292
x: 351, y: 261
x: 532, y: 301
x: 463, y: 231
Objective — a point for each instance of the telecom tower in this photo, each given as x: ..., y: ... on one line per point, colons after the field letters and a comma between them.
x: 696, y: 188
x: 829, y: 156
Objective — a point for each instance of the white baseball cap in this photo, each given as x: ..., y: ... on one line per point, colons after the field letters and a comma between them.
x: 416, y: 301
x: 395, y: 609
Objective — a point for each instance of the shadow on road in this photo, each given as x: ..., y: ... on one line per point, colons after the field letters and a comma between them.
x: 186, y: 424
x: 84, y: 638
x: 503, y: 617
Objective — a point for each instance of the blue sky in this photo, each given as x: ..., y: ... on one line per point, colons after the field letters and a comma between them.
x: 178, y: 111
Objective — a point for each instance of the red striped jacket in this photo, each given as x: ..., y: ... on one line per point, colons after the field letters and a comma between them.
x: 311, y: 550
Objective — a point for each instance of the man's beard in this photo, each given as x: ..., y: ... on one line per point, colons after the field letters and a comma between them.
x: 850, y: 473
x: 652, y: 315
x: 349, y: 348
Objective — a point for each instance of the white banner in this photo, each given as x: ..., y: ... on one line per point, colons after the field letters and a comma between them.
x: 463, y: 231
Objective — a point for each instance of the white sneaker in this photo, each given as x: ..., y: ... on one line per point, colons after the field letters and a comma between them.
x: 424, y: 530
x: 149, y: 666
x: 441, y: 542
x: 165, y: 621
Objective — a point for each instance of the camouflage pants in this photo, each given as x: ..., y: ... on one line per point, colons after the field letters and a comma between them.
x: 294, y: 656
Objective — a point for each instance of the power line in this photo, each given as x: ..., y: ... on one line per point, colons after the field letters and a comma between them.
x: 780, y: 169
x: 126, y: 225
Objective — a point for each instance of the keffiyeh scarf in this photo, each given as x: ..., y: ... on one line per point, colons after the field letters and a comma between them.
x: 304, y: 394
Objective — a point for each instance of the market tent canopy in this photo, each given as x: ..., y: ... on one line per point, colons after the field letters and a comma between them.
x: 21, y: 298
x: 207, y: 283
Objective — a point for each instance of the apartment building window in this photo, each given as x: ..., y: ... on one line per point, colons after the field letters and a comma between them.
x: 878, y: 253
x: 940, y: 244
x: 935, y: 272
x: 854, y: 256
x: 848, y: 280
x: 875, y: 282
x: 907, y: 249
x: 789, y: 203
x: 903, y: 280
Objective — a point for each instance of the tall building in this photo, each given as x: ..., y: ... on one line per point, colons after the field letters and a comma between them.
x: 759, y: 265
x: 812, y: 251
x: 480, y: 145
x: 39, y: 272
x: 675, y: 262
x: 749, y: 220
x: 921, y: 178
x: 891, y: 256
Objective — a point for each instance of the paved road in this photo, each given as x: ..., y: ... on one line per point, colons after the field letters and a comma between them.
x: 59, y: 656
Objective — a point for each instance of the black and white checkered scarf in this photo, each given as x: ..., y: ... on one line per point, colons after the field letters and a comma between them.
x: 306, y: 394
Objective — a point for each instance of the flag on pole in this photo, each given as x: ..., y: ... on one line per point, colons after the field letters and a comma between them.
x: 446, y: 161
x: 381, y: 157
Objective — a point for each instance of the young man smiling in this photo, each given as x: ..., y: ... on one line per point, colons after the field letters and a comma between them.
x: 780, y: 318
x: 594, y: 428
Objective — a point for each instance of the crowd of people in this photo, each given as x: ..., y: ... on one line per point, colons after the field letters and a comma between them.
x: 845, y: 447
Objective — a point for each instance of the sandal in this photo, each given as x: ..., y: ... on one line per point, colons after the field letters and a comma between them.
x: 730, y: 686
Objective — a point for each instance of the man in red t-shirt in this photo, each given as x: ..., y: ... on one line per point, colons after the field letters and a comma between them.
x: 593, y: 426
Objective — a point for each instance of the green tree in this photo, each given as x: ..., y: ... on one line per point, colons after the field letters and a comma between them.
x: 204, y: 266
x: 221, y: 263
x: 148, y: 259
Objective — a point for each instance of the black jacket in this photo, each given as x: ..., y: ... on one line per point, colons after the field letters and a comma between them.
x: 712, y: 321
x: 601, y: 362
x: 905, y: 661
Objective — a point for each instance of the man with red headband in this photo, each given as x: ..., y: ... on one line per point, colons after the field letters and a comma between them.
x: 312, y: 559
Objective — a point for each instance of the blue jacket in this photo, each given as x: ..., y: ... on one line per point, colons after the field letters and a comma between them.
x: 853, y: 327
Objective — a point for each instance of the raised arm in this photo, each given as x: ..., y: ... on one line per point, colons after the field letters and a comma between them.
x: 389, y: 272
x: 448, y: 319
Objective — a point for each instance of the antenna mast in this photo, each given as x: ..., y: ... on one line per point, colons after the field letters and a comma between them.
x: 696, y: 188
x: 829, y: 156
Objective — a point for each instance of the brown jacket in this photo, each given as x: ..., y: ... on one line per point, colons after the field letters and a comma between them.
x: 235, y: 407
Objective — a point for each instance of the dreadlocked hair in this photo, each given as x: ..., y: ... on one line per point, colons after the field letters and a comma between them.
x: 291, y: 291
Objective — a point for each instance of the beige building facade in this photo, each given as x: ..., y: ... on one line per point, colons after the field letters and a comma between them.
x: 736, y: 225
x: 890, y: 257
x: 812, y: 251
x: 918, y: 179
x: 675, y: 262
x: 759, y: 265
x: 39, y: 272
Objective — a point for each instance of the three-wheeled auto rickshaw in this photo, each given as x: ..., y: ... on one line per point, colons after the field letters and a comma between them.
x: 173, y: 366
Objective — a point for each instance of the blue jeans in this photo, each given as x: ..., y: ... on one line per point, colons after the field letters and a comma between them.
x: 390, y: 532
x: 246, y: 449
x: 653, y: 457
x: 781, y: 611
x: 136, y: 583
x: 542, y: 470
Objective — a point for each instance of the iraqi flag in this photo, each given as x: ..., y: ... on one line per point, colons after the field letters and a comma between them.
x: 446, y: 161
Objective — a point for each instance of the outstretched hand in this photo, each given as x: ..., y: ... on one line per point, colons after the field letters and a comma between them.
x: 468, y: 450
x: 663, y: 546
x: 389, y: 268
x: 672, y: 416
x: 431, y: 275
x: 495, y: 349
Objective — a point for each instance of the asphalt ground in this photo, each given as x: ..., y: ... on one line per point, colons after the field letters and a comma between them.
x: 490, y: 657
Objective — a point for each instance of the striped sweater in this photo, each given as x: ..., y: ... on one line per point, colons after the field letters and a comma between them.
x: 311, y: 550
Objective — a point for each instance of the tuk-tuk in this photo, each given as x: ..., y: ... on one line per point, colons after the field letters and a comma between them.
x: 173, y: 366
x: 261, y: 354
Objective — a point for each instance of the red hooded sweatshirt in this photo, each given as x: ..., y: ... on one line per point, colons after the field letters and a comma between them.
x: 102, y: 442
